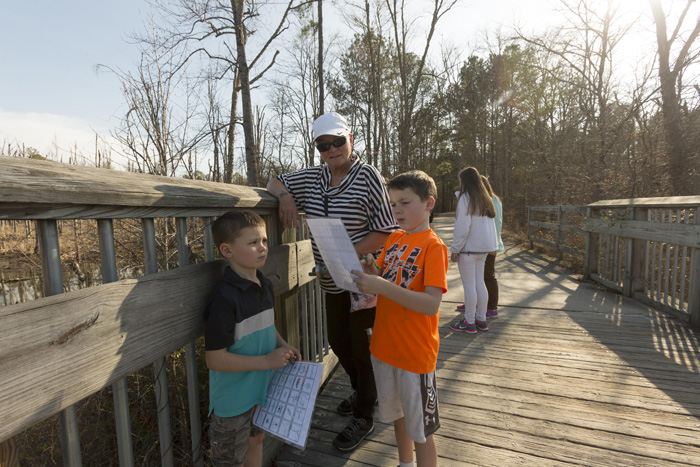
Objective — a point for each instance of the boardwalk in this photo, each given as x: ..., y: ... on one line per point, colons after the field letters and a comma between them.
x: 569, y: 374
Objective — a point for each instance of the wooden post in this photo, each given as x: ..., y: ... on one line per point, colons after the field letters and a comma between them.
x: 290, y: 300
x: 587, y: 252
x: 636, y: 256
x: 529, y: 225
x: 275, y: 236
x: 561, y: 221
x: 694, y: 290
x: 8, y: 453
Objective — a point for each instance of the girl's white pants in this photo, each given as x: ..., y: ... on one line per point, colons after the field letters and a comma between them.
x: 476, y: 297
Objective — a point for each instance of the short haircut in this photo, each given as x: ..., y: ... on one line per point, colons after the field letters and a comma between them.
x: 229, y: 225
x: 420, y: 182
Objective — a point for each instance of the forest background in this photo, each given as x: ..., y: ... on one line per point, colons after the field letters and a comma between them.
x: 556, y: 117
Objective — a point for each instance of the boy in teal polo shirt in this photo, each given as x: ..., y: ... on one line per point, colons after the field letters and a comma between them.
x: 242, y: 345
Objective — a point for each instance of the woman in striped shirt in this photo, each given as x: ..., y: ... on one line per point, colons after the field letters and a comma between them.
x: 346, y: 188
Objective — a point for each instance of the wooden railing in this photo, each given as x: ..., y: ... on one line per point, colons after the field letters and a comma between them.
x: 548, y: 225
x: 57, y: 350
x: 645, y: 248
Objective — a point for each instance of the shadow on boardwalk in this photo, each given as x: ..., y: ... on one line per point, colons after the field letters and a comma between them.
x: 569, y: 374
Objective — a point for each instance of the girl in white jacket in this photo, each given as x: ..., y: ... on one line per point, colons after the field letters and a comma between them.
x: 474, y: 237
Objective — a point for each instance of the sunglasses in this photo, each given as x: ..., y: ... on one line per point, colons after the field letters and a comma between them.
x: 336, y: 143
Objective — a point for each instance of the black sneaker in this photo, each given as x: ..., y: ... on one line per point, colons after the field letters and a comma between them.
x: 353, y: 434
x: 345, y: 407
x: 481, y: 325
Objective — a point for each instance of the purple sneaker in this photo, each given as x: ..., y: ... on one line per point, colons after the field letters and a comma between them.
x: 492, y: 313
x: 460, y: 307
x: 463, y: 326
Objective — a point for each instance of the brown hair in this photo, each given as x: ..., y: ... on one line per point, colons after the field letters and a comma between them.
x: 229, y: 225
x: 420, y: 182
x: 480, y: 202
x: 487, y: 185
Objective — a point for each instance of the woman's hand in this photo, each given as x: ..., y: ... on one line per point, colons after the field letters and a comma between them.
x: 289, y: 215
x: 454, y: 257
x: 368, y: 283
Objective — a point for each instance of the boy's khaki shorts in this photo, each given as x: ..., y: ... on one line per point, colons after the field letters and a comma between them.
x: 229, y: 438
x: 405, y: 394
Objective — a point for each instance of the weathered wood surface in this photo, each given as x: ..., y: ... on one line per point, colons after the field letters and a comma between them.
x: 569, y: 374
x: 34, y: 189
x: 562, y: 227
x: 58, y: 350
x: 678, y: 234
x: 665, y: 202
x: 559, y: 208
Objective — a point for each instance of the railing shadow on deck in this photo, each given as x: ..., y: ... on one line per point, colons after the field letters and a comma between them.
x: 648, y: 340
x: 647, y: 249
x: 57, y: 350
x: 661, y: 340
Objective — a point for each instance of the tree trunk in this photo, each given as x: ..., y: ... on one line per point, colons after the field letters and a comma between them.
x: 671, y: 105
x: 243, y: 74
x: 228, y: 165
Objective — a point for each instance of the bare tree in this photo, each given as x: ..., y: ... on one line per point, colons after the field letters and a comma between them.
x: 204, y: 28
x: 410, y: 70
x: 586, y: 45
x: 156, y: 132
x: 296, y: 95
x: 670, y: 74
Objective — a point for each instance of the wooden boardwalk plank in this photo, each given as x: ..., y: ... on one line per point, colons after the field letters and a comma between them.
x: 569, y: 374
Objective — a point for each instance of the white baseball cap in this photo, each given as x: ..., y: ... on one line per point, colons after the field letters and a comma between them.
x: 330, y: 123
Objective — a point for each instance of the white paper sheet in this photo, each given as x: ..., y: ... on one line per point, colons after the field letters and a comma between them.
x: 291, y: 397
x: 336, y: 249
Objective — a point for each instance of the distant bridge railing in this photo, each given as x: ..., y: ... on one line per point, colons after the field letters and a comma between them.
x: 552, y: 223
x: 645, y: 248
x: 57, y: 350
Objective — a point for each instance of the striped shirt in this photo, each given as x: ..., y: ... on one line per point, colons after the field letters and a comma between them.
x: 360, y: 201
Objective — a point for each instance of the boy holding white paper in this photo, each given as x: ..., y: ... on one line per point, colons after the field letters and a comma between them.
x: 241, y: 342
x: 410, y: 281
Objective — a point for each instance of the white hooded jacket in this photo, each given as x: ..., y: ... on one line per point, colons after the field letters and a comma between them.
x: 472, y: 234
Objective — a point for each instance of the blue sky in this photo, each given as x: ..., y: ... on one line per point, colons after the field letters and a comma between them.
x: 49, y: 84
x: 51, y: 92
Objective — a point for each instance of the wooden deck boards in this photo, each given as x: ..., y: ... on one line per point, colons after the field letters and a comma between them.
x: 569, y: 374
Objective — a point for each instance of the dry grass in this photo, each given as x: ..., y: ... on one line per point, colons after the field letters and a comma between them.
x: 80, y: 260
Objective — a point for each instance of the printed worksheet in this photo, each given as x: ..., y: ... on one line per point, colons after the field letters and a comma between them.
x: 291, y: 397
x: 336, y: 249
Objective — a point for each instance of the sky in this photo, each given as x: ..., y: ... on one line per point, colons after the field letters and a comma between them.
x: 52, y: 95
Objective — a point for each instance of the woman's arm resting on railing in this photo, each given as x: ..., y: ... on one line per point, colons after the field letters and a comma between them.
x: 289, y: 214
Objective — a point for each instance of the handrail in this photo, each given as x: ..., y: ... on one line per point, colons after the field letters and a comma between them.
x: 558, y: 227
x: 645, y: 248
x: 73, y: 344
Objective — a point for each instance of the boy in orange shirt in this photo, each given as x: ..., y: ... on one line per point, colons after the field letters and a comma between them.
x: 410, y: 277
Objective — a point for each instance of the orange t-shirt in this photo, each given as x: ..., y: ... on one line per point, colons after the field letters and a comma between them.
x: 402, y: 337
